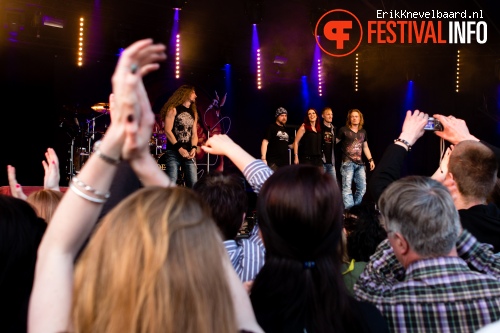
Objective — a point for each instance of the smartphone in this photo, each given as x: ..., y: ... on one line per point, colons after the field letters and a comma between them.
x: 433, y: 125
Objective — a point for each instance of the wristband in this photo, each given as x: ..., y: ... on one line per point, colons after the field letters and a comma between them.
x: 370, y: 160
x: 177, y: 145
x: 194, y: 147
x: 406, y: 143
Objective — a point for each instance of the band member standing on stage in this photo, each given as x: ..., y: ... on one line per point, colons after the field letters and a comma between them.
x: 276, y: 143
x: 180, y: 116
x: 354, y: 141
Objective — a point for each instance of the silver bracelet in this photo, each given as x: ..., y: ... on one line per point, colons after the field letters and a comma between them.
x: 104, y: 157
x: 85, y: 196
x: 104, y: 195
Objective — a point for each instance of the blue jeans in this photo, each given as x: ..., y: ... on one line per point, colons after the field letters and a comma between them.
x: 173, y: 161
x: 351, y: 171
x: 330, y: 169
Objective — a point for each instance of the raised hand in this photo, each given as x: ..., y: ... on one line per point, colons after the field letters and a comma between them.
x: 137, y: 140
x: 454, y: 129
x: 129, y: 99
x: 51, y: 168
x: 51, y: 297
x: 413, y: 126
x: 15, y: 188
x: 135, y: 62
x: 219, y: 144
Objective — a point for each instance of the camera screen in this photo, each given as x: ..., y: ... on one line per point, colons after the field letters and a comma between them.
x: 430, y: 124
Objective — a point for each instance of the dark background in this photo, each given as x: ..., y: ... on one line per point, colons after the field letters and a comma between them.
x: 41, y: 86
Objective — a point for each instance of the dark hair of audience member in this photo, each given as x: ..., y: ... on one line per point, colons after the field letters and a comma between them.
x: 154, y: 264
x: 300, y: 286
x: 364, y: 231
x: 21, y: 231
x: 45, y: 202
x: 227, y: 198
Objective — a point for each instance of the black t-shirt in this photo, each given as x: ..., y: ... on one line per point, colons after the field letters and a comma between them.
x: 310, y: 144
x: 352, y: 144
x: 327, y: 142
x: 483, y: 221
x: 183, y: 127
x: 277, y: 149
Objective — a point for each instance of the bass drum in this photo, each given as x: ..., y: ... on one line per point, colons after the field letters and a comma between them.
x: 80, y: 157
x: 161, y: 160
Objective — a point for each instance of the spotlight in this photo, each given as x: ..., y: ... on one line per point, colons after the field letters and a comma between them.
x: 280, y: 60
x: 53, y: 22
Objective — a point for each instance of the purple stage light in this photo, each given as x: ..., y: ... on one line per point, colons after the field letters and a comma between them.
x: 256, y: 54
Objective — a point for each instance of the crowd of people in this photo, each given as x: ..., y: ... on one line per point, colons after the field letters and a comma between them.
x: 125, y: 249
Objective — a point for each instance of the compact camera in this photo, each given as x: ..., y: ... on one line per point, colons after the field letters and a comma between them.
x: 433, y: 125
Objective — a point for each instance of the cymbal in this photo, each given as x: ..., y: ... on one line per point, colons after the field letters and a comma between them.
x: 100, y: 107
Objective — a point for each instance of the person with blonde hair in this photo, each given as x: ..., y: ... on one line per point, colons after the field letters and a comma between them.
x: 354, y: 141
x: 166, y: 236
x: 44, y: 201
x: 155, y: 263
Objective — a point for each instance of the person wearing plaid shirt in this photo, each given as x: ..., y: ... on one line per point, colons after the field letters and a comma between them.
x: 429, y: 275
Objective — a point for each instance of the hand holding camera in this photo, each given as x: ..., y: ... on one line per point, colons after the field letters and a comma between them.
x: 454, y: 129
x: 413, y: 128
x: 433, y: 125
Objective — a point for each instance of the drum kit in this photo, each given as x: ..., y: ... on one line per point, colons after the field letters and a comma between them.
x: 90, y: 130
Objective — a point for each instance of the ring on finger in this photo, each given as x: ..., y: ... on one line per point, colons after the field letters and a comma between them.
x: 134, y: 68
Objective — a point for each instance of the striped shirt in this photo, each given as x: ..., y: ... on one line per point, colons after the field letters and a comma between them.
x: 256, y: 173
x: 437, y: 294
x: 246, y: 255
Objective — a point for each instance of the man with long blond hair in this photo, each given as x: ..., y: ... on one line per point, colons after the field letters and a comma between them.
x: 354, y: 141
x: 180, y: 116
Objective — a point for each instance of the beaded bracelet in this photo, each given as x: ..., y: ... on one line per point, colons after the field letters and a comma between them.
x: 88, y: 188
x: 406, y: 143
x: 85, y: 196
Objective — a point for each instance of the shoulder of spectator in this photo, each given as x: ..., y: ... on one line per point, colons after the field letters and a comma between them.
x: 478, y: 256
x: 256, y: 173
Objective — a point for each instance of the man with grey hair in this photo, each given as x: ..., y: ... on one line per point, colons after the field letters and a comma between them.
x: 421, y: 277
x: 469, y: 170
x: 275, y: 145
